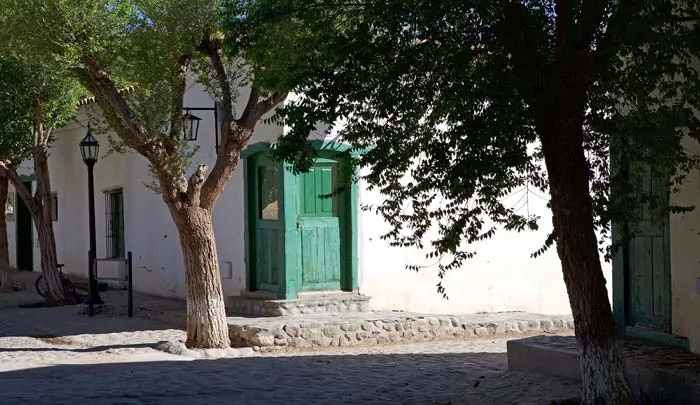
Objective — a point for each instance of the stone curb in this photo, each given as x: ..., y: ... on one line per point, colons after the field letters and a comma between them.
x: 291, y: 333
x: 367, y: 329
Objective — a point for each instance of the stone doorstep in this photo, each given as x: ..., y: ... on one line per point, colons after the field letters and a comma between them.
x: 656, y: 373
x: 254, y: 304
x: 374, y: 328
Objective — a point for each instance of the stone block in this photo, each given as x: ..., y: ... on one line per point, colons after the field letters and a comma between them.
x: 368, y: 326
x: 335, y: 340
x: 323, y: 341
x: 350, y: 327
x: 333, y: 330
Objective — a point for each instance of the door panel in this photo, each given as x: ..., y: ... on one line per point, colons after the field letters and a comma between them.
x: 319, y: 228
x: 648, y: 268
x: 269, y: 258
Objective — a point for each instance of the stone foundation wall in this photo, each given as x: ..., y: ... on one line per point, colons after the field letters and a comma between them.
x: 303, y: 334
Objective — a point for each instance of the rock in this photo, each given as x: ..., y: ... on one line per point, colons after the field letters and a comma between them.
x: 482, y: 331
x: 263, y: 338
x: 292, y: 330
x: 300, y: 343
x: 350, y: 327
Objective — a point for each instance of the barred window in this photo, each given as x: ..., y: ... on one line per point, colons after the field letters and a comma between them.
x: 114, y: 221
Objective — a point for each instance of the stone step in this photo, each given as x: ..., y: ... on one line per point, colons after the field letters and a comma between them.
x: 325, y: 304
x: 381, y: 328
x: 657, y: 373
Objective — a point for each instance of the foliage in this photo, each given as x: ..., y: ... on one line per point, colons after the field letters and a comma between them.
x: 30, y: 92
x: 450, y: 109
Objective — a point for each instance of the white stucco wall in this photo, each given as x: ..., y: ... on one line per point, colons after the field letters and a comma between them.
x: 502, y: 277
x: 685, y: 258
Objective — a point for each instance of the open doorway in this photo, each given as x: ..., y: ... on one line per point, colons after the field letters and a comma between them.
x: 24, y: 233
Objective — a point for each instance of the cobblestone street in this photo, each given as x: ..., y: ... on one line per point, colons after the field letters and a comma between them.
x: 112, y: 361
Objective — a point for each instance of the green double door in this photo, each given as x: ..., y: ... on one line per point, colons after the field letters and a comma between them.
x: 298, y: 227
x: 648, y: 273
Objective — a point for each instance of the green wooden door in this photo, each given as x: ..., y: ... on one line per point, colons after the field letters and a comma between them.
x: 319, y: 228
x: 268, y: 230
x: 649, y: 278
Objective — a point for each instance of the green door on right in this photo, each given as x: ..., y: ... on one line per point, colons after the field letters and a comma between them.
x: 649, y: 277
x: 319, y: 227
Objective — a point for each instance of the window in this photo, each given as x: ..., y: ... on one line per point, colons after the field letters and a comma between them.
x: 114, y: 221
x: 54, y: 207
x: 268, y: 178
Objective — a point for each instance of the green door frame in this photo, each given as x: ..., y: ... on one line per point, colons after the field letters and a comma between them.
x: 290, y: 277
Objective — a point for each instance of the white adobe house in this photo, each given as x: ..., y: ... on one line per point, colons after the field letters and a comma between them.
x: 274, y: 234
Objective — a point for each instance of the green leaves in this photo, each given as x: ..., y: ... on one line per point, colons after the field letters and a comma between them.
x: 30, y: 93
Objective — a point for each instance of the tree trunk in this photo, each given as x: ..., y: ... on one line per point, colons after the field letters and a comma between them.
x: 206, y: 313
x: 5, y: 276
x: 602, y: 367
x: 56, y: 293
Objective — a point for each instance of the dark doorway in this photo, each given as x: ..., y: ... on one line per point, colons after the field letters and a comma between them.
x: 25, y: 234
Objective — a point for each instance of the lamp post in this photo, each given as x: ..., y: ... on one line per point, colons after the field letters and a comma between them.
x: 89, y: 149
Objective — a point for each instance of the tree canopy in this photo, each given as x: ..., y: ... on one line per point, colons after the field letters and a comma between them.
x: 449, y: 94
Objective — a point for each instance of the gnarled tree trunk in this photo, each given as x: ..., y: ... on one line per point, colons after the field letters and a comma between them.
x: 43, y: 223
x: 602, y: 367
x: 206, y: 312
x: 5, y: 276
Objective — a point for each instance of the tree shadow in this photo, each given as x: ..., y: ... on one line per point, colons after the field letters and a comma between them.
x: 93, y: 349
x: 69, y: 321
x: 452, y: 378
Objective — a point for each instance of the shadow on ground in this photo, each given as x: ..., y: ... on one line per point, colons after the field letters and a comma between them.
x: 69, y: 321
x: 464, y: 378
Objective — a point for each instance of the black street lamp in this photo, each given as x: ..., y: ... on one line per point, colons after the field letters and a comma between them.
x: 191, y: 126
x: 89, y: 149
x: 190, y: 123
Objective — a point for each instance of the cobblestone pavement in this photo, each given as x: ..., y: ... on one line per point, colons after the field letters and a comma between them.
x: 111, y: 361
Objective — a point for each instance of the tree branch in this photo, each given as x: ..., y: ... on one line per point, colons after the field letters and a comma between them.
x: 102, y: 86
x: 194, y: 185
x: 251, y: 115
x: 564, y: 23
x: 211, y: 49
x: 591, y: 18
x: 176, y: 114
x: 605, y: 49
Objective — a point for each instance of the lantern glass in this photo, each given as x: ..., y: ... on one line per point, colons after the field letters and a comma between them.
x: 89, y: 148
x: 190, y: 124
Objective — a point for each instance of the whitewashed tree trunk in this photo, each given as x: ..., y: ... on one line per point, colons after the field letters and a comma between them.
x: 206, y: 313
